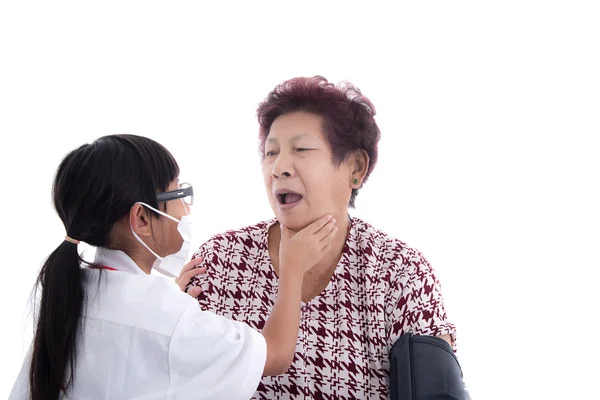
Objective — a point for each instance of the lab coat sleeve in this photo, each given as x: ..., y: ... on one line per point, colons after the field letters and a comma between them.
x: 20, y: 390
x: 213, y: 357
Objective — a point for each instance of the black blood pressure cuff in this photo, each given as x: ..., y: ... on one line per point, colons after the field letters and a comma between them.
x: 425, y: 368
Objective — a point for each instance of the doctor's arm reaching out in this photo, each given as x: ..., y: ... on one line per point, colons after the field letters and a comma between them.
x: 187, y: 273
x: 298, y: 253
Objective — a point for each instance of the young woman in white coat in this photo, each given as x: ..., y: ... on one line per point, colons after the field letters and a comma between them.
x: 108, y: 329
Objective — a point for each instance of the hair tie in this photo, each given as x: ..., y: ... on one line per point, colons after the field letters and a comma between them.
x: 71, y: 240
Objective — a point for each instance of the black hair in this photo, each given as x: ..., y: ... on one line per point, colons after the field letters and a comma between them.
x: 95, y: 186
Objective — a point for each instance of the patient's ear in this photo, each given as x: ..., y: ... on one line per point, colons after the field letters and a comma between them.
x: 359, y: 160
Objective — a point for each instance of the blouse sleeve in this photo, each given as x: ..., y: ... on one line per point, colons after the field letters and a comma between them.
x: 415, y: 301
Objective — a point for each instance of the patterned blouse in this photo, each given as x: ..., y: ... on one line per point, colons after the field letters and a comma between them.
x: 380, y: 289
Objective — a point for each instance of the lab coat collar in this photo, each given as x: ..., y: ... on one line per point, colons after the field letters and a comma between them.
x: 118, y: 260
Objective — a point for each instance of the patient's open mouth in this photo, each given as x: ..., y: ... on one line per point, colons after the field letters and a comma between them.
x: 289, y: 198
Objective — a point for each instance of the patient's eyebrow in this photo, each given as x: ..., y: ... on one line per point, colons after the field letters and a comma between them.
x: 293, y: 139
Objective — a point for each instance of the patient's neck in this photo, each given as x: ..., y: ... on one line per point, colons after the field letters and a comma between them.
x: 327, y: 265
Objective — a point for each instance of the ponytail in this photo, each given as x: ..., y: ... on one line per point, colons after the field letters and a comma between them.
x: 94, y: 188
x: 58, y: 323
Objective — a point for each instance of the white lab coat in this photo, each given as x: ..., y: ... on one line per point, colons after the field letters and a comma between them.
x: 145, y: 339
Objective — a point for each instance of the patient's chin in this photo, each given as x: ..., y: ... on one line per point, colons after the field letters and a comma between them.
x: 294, y: 224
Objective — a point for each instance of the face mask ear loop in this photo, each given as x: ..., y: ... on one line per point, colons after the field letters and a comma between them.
x: 143, y: 243
x: 139, y: 239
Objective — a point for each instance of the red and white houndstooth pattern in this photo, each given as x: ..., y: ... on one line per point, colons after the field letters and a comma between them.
x: 380, y: 288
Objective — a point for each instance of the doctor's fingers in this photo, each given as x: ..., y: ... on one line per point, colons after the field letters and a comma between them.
x: 194, y: 291
x: 186, y: 277
x: 190, y: 265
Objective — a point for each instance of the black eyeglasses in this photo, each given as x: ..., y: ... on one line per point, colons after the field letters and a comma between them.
x: 185, y: 192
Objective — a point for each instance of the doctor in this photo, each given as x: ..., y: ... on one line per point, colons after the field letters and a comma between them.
x: 109, y: 329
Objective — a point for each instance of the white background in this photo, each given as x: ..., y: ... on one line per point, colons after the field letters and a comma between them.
x: 489, y: 159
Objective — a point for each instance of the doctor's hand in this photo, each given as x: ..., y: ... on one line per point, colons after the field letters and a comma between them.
x: 187, y: 273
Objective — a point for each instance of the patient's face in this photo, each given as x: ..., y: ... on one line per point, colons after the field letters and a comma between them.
x: 301, y: 179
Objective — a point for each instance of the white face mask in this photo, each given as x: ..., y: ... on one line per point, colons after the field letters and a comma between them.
x: 172, y: 264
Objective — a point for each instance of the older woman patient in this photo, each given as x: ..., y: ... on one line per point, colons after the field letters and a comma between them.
x: 319, y: 145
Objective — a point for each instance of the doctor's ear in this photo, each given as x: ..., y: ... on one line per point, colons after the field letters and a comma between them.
x: 139, y: 220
